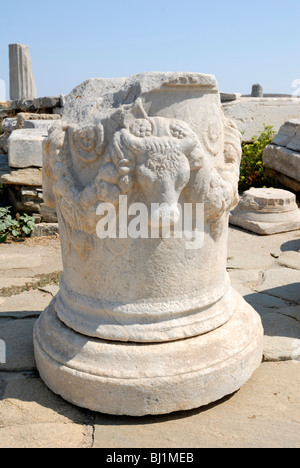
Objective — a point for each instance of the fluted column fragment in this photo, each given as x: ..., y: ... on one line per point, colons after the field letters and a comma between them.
x: 22, y: 82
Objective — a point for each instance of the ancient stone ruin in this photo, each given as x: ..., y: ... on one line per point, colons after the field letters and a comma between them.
x: 145, y: 323
x: 282, y: 157
x: 22, y: 82
x: 267, y: 211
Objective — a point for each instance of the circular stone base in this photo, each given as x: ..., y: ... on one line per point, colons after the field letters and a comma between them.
x: 138, y: 379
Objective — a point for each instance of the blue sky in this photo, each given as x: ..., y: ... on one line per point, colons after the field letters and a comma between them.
x: 240, y: 42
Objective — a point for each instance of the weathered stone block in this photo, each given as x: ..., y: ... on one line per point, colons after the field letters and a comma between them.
x: 286, y: 132
x: 46, y: 102
x: 25, y: 116
x: 25, y: 148
x: 9, y: 124
x: 282, y: 160
x: 38, y: 124
x: 31, y: 177
x: 23, y: 105
x: 294, y: 143
x: 252, y: 114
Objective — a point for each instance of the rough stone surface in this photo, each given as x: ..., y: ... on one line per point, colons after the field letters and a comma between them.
x: 18, y: 341
x: 23, y: 117
x: 29, y: 401
x: 9, y: 124
x: 31, y: 177
x: 251, y: 114
x: 28, y: 304
x: 290, y: 260
x: 4, y: 142
x: 25, y: 148
x: 282, y: 335
x: 285, y: 286
x: 283, y: 160
x: 43, y: 435
x: 286, y: 132
x: 285, y: 181
x: 17, y: 261
x: 22, y: 83
x: 38, y: 124
x: 35, y: 418
x: 283, y: 156
x: 267, y: 211
x: 23, y: 105
x: 46, y: 102
x: 228, y: 97
x: 45, y: 229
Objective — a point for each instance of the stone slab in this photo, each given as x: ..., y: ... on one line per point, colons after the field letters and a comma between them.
x: 23, y: 105
x: 26, y: 304
x: 283, y: 283
x: 290, y: 259
x: 266, y: 301
x: 19, y: 261
x: 294, y: 143
x: 251, y: 114
x: 17, y: 335
x: 48, y: 215
x: 9, y: 282
x: 264, y: 229
x: 38, y: 124
x: 265, y: 413
x: 286, y: 132
x: 46, y: 102
x: 284, y: 180
x: 229, y: 97
x: 43, y: 435
x: 25, y: 148
x: 282, y: 160
x: 282, y: 336
x: 29, y: 401
x: 25, y: 116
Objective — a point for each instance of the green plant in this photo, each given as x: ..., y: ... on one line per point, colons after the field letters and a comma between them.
x: 252, y: 169
x: 20, y: 226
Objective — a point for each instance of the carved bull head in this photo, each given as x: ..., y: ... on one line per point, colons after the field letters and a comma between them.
x: 161, y: 164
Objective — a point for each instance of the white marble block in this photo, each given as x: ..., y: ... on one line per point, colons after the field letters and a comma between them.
x: 38, y: 124
x: 144, y: 322
x: 283, y: 155
x: 267, y: 211
x: 25, y: 148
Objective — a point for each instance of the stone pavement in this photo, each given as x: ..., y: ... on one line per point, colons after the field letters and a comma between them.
x: 264, y: 413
